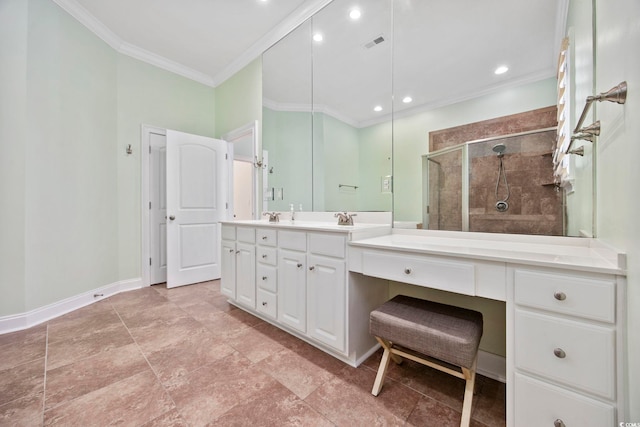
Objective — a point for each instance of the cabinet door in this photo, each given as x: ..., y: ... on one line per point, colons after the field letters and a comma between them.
x: 326, y: 301
x: 292, y: 289
x: 228, y: 270
x: 246, y: 274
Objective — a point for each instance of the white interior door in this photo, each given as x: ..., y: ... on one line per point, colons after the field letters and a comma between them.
x: 196, y: 183
x: 157, y: 208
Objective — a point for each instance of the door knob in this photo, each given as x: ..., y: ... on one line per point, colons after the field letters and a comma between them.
x: 172, y: 217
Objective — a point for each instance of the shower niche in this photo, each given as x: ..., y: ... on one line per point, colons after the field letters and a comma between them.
x: 495, y: 184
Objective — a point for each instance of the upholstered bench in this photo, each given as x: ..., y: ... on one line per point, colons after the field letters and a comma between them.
x: 405, y: 326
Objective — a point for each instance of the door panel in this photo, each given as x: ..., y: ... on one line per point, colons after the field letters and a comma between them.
x: 196, y: 195
x: 292, y: 295
x: 158, y: 208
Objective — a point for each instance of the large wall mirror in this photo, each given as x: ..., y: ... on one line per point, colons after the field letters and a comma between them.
x: 388, y: 110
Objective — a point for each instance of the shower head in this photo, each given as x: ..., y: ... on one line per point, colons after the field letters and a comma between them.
x: 499, y: 149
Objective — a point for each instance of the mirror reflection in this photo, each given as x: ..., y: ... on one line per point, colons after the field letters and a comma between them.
x: 348, y: 118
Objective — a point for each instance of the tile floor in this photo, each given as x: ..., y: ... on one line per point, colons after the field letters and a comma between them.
x: 185, y: 357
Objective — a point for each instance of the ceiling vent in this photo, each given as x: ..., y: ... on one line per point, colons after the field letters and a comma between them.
x: 374, y: 42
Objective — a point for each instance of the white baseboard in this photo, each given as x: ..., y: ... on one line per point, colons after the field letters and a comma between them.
x: 492, y: 366
x: 17, y: 322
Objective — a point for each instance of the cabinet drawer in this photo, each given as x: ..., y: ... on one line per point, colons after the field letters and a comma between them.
x: 333, y: 245
x: 432, y: 272
x: 266, y: 237
x: 540, y: 404
x: 267, y: 277
x: 579, y: 355
x: 267, y: 255
x: 578, y: 296
x: 228, y: 232
x: 294, y: 240
x: 246, y: 235
x: 266, y: 303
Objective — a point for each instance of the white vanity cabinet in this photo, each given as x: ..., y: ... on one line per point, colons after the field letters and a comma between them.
x: 238, y: 269
x: 565, y: 332
x: 327, y: 289
x: 266, y: 272
x: 301, y: 283
x: 292, y: 279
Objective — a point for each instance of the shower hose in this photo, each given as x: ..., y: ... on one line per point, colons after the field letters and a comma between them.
x: 503, y: 174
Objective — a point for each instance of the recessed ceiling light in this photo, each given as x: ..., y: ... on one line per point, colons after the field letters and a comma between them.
x: 377, y: 108
x: 355, y: 14
x: 318, y: 37
x: 407, y: 99
x: 501, y: 69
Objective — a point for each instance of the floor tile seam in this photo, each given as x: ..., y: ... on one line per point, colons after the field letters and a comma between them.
x: 155, y: 373
x: 44, y: 384
x: 68, y: 402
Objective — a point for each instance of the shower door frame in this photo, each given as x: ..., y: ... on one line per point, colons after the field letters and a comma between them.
x: 464, y: 146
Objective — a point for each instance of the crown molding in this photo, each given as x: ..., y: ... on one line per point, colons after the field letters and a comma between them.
x: 166, y: 64
x: 290, y: 23
x: 73, y: 8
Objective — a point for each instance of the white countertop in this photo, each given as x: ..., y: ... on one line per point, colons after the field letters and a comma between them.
x: 562, y: 252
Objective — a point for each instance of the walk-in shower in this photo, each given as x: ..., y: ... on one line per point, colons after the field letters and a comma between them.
x: 503, y: 185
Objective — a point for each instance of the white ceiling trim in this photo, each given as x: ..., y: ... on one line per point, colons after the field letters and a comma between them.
x: 309, y: 108
x: 73, y: 8
x: 289, y: 24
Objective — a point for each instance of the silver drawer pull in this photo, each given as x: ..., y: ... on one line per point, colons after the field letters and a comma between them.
x: 560, y: 296
x: 559, y: 353
x: 558, y: 423
x: 407, y: 271
x: 264, y: 277
x: 237, y: 252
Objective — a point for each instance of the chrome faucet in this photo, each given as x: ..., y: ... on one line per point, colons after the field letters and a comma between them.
x: 273, y: 216
x: 344, y: 218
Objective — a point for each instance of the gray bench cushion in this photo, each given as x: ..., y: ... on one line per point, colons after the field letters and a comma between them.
x: 451, y: 334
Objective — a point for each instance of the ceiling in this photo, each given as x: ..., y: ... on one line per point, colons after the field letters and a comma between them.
x: 447, y: 49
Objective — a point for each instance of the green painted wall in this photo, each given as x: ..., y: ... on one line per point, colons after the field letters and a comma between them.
x: 70, y: 106
x: 375, y: 163
x: 239, y: 99
x: 618, y: 175
x: 152, y: 96
x: 286, y: 137
x: 70, y: 191
x: 13, y: 126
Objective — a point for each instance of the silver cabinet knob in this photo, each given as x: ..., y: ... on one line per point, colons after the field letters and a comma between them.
x: 264, y: 256
x: 558, y: 423
x: 312, y: 268
x: 299, y: 265
x: 560, y: 296
x: 264, y: 303
x: 172, y: 217
x: 264, y: 277
x: 559, y: 353
x: 264, y: 237
x: 407, y: 271
x: 237, y: 252
x: 231, y: 251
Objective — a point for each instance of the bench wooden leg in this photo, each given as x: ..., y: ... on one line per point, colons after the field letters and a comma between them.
x: 470, y: 377
x: 384, y: 364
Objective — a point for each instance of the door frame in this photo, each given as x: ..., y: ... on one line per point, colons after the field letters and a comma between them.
x: 145, y: 181
x: 250, y: 129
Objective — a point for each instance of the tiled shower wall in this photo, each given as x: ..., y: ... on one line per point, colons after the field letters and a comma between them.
x: 535, y: 207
